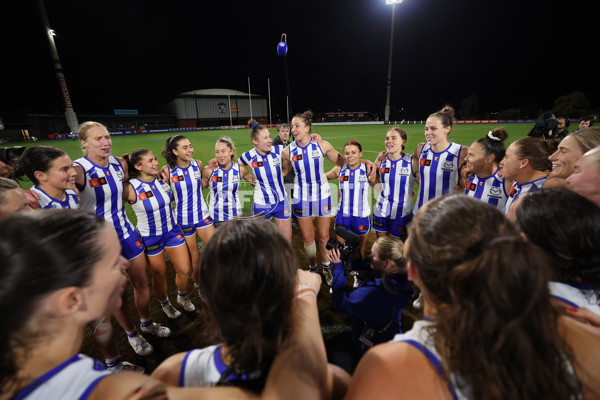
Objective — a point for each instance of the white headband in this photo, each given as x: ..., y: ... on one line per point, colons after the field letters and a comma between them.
x: 493, y: 137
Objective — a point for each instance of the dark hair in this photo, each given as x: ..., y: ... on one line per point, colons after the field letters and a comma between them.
x: 282, y: 126
x: 590, y: 118
x: 133, y: 159
x: 536, y: 150
x: 353, y: 143
x: 37, y: 158
x: 571, y: 240
x: 495, y: 327
x: 249, y: 290
x: 306, y: 117
x: 255, y: 128
x: 494, y: 147
x: 402, y: 134
x: 41, y: 251
x: 445, y: 115
x: 171, y: 144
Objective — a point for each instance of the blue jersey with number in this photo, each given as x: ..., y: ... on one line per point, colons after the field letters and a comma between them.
x: 310, y: 182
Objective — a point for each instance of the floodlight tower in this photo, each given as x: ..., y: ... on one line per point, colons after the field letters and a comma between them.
x: 389, y: 77
x: 69, y: 112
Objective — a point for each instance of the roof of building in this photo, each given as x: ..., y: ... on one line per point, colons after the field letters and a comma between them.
x: 216, y: 92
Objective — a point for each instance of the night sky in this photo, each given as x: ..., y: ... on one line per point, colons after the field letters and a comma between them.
x: 136, y: 54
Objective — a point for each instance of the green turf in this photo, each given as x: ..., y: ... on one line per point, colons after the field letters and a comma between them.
x: 371, y: 138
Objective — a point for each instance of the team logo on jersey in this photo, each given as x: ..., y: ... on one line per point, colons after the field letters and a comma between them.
x: 276, y: 161
x: 216, y: 179
x: 512, y: 191
x: 178, y: 178
x: 120, y: 174
x: 495, y: 191
x: 470, y: 186
x: 297, y: 158
x: 343, y: 178
x: 425, y: 162
x: 166, y: 187
x: 197, y: 174
x: 97, y: 182
x: 448, y: 164
x: 235, y: 178
x: 383, y: 170
x: 257, y: 164
x: 404, y: 171
x: 315, y: 154
x: 362, y: 178
x: 145, y: 195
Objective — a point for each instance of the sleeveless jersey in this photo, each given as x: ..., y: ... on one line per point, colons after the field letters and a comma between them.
x: 397, y: 181
x: 204, y: 367
x: 585, y: 297
x: 518, y: 189
x: 490, y: 189
x: 186, y: 185
x: 103, y: 193
x: 46, y: 201
x: 75, y: 378
x: 310, y: 182
x: 152, y: 207
x: 269, y: 174
x: 224, y: 202
x: 354, y: 191
x: 438, y: 173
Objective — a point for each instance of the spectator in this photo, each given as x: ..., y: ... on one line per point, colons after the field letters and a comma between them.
x: 586, y: 122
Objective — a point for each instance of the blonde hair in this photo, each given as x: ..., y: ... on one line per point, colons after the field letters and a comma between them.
x: 82, y: 131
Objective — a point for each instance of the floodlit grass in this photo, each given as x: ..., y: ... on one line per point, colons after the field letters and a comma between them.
x: 371, y: 138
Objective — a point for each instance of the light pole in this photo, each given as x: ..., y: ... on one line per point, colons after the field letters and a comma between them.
x: 389, y: 77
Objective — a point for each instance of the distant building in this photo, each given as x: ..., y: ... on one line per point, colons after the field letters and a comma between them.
x: 217, y: 107
x: 345, y: 116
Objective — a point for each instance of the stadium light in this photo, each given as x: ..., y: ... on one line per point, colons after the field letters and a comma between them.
x: 389, y: 77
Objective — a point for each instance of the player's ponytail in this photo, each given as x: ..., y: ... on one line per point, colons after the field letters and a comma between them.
x: 170, y: 145
x: 134, y: 159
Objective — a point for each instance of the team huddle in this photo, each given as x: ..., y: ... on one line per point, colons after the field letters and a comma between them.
x: 264, y: 309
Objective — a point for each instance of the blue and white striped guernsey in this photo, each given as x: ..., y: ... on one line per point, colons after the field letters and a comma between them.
x: 267, y: 170
x: 438, y: 173
x: 46, y: 201
x: 517, y: 190
x: 310, y: 182
x: 397, y: 181
x: 490, y: 189
x: 76, y: 378
x: 152, y: 207
x: 354, y: 191
x: 224, y: 201
x: 103, y: 193
x: 186, y: 184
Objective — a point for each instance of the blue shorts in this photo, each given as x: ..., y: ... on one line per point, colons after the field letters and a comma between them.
x: 359, y: 225
x: 190, y: 230
x: 314, y: 208
x: 281, y: 210
x: 395, y: 226
x: 133, y: 246
x: 156, y: 244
